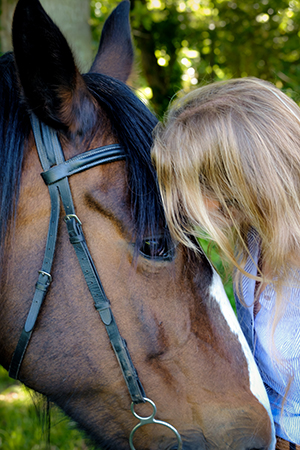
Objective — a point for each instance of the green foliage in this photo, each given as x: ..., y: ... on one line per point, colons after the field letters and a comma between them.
x: 213, y: 255
x: 181, y: 44
x: 22, y: 423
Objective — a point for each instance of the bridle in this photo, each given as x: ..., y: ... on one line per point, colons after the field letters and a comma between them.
x: 55, y: 174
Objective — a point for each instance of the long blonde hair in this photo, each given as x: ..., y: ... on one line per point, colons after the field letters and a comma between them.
x: 237, y: 143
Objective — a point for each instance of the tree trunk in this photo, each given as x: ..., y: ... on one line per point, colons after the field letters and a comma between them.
x: 6, y: 9
x: 71, y: 16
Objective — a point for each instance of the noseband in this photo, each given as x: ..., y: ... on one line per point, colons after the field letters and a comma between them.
x: 55, y: 175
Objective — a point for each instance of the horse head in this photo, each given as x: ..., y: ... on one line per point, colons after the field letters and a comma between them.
x: 182, y: 335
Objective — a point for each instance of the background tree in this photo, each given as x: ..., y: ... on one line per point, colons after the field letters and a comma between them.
x: 6, y: 12
x: 184, y: 43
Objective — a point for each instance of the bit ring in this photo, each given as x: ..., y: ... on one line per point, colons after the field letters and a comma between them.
x: 150, y: 419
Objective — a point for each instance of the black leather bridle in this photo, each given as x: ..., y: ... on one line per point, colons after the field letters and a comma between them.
x: 55, y: 175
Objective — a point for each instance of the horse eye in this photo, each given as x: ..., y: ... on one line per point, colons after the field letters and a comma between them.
x: 157, y: 248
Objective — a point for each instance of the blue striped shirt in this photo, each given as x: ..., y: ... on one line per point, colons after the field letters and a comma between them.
x: 280, y: 368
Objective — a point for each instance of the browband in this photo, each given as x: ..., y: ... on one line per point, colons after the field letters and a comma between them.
x: 84, y: 161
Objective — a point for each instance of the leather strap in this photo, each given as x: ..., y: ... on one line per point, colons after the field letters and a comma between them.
x: 85, y: 161
x: 102, y: 305
x: 44, y: 277
x: 55, y: 176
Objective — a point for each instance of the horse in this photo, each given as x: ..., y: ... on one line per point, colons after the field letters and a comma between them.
x: 181, y: 375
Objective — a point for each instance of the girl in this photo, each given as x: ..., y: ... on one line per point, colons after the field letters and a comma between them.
x: 228, y: 165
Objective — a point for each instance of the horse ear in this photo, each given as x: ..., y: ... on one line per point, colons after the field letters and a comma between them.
x: 115, y: 53
x: 53, y: 88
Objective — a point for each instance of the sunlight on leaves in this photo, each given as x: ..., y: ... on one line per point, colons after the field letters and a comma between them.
x: 155, y: 4
x: 262, y: 18
x: 15, y: 394
x: 228, y: 38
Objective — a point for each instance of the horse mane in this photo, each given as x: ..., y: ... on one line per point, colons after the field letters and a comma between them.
x: 131, y: 122
x: 14, y: 128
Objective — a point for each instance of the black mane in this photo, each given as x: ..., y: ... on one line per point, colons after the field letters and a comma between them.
x: 131, y: 121
x: 14, y: 129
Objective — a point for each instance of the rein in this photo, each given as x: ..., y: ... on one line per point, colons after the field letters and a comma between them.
x: 55, y: 175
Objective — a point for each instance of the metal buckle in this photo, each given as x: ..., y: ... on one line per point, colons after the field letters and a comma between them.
x: 72, y: 216
x: 150, y: 419
x: 42, y: 272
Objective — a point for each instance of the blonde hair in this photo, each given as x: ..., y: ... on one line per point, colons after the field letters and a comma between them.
x: 237, y: 143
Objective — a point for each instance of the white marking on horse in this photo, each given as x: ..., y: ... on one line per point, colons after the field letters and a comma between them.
x: 217, y: 291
